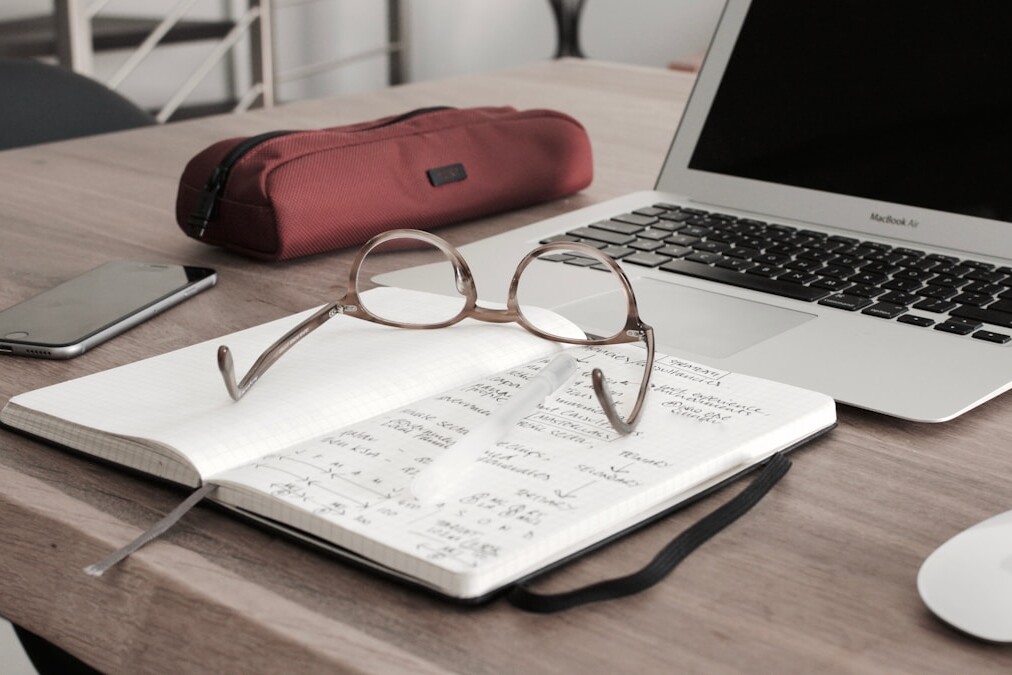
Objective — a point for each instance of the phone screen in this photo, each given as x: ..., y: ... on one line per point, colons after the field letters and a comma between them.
x: 66, y: 320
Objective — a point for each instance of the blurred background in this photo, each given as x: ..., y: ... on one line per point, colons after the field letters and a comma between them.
x: 315, y: 48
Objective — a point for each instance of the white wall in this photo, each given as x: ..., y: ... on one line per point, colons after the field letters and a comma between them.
x: 446, y: 37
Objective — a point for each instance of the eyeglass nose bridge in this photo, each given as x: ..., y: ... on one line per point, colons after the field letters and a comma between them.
x: 496, y: 314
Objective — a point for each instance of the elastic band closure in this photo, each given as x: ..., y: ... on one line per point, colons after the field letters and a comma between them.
x: 665, y: 561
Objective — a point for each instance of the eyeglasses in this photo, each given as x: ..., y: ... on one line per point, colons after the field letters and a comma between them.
x: 632, y: 329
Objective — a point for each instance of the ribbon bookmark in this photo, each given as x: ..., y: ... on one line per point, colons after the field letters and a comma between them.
x: 156, y: 530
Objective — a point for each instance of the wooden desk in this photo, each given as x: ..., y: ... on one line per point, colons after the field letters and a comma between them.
x: 820, y: 577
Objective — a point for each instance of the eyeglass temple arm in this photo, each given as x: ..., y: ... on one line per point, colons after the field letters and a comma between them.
x: 601, y: 390
x: 272, y: 353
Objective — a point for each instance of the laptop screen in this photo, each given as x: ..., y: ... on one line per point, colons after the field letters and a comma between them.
x: 900, y: 101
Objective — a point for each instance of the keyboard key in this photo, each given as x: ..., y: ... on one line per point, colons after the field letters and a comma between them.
x: 703, y: 257
x: 695, y: 231
x: 617, y: 226
x: 581, y: 261
x: 902, y: 285
x: 736, y: 264
x: 646, y: 245
x: 914, y: 320
x: 804, y: 265
x: 847, y: 261
x: 646, y: 259
x: 953, y: 269
x: 816, y: 255
x: 617, y: 251
x: 766, y: 270
x: 922, y: 264
x: 711, y: 246
x: 865, y: 290
x: 675, y: 216
x: 868, y: 278
x: 556, y: 257
x: 635, y: 219
x: 975, y: 299
x: 831, y: 284
x: 851, y: 303
x: 797, y: 277
x: 940, y: 292
x: 838, y: 271
x: 885, y: 310
x: 674, y: 251
x: 949, y: 281
x: 935, y: 305
x: 681, y: 240
x: 615, y: 238
x: 742, y: 252
x: 771, y: 259
x: 668, y: 226
x: 914, y: 273
x: 998, y: 338
x: 970, y: 322
x: 654, y: 233
x: 651, y: 211
x: 881, y: 268
x: 986, y: 276
x: 899, y: 298
x: 988, y: 315
x: 749, y: 281
x: 955, y: 328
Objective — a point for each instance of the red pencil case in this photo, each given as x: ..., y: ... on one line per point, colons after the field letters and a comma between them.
x: 286, y: 194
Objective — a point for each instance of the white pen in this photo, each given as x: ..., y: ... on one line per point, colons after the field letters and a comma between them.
x: 445, y: 468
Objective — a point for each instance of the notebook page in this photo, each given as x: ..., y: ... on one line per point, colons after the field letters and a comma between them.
x: 560, y: 480
x: 347, y: 370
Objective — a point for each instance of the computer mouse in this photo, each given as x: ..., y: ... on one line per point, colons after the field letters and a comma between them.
x: 967, y: 581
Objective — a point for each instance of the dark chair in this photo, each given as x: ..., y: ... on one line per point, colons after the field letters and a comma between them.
x: 40, y: 103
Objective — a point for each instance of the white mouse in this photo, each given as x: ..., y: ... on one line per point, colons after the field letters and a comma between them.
x: 967, y: 581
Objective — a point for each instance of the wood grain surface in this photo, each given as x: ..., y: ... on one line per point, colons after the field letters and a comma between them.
x: 820, y: 577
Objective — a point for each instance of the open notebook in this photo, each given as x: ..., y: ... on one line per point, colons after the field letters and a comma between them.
x: 327, y: 443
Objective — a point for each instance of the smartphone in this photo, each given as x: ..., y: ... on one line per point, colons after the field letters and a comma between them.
x: 71, y: 318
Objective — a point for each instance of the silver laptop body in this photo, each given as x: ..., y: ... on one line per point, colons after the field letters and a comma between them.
x: 916, y: 159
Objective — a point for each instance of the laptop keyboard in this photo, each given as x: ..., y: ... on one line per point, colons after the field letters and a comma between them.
x: 907, y: 285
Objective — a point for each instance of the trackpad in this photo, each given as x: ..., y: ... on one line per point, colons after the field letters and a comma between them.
x: 690, y: 320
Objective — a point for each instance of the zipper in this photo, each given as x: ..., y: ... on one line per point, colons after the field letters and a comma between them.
x: 207, y: 201
x: 408, y: 115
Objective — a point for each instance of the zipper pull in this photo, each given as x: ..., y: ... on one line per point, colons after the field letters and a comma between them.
x: 207, y: 202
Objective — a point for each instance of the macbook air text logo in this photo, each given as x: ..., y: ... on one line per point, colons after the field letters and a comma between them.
x: 893, y: 220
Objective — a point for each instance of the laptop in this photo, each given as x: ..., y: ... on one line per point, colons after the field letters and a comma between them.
x: 835, y: 210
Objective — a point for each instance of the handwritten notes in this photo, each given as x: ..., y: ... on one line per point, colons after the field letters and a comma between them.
x: 559, y: 480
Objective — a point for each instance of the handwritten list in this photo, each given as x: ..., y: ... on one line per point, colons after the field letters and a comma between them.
x: 558, y: 481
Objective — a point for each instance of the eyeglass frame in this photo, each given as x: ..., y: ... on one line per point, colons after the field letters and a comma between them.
x: 350, y: 304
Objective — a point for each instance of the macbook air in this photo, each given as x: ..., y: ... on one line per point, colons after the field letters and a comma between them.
x: 835, y: 210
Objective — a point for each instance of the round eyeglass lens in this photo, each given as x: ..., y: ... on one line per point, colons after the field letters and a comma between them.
x: 578, y: 286
x: 443, y: 300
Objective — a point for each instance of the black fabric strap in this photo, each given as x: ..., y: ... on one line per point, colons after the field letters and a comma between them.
x: 665, y: 561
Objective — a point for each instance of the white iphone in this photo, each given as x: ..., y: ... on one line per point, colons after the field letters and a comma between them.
x: 71, y: 318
